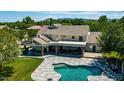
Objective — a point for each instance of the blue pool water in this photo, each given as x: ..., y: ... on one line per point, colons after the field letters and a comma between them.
x: 76, y: 73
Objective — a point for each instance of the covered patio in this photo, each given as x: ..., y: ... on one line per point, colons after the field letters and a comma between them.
x: 46, y: 46
x: 67, y: 47
x: 60, y: 47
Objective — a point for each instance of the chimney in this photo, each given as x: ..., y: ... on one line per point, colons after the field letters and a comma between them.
x: 51, y: 22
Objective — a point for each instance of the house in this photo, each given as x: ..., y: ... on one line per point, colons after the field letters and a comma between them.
x: 73, y: 39
x: 35, y: 27
x: 3, y: 26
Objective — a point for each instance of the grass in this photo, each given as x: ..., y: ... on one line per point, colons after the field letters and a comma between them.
x: 23, y: 68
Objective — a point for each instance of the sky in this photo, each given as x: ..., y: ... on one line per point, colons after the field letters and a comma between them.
x: 12, y: 16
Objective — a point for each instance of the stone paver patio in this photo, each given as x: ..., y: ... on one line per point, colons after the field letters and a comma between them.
x: 45, y: 71
x: 92, y: 55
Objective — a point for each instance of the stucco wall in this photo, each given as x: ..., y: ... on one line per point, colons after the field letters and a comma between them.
x: 66, y: 38
x: 56, y: 37
x: 89, y: 47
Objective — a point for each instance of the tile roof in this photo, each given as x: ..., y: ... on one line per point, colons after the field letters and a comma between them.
x: 65, y: 30
x: 45, y: 38
x: 42, y: 39
x: 92, y: 37
x: 2, y: 26
x: 39, y: 40
x: 37, y: 27
x: 42, y: 30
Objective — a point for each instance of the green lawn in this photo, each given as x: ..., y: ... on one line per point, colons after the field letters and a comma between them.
x: 23, y: 68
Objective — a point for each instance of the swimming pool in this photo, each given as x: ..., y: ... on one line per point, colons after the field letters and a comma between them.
x: 76, y: 73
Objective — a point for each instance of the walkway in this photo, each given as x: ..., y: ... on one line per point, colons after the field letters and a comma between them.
x: 45, y: 71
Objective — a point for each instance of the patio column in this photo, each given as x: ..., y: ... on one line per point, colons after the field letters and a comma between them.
x: 42, y: 51
x: 47, y: 49
x: 56, y: 49
x: 82, y: 52
x: 122, y: 68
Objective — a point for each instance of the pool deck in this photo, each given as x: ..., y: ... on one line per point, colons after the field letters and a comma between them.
x: 45, y: 71
x: 92, y: 55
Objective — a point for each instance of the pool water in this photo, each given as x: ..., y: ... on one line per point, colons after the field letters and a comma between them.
x: 76, y: 73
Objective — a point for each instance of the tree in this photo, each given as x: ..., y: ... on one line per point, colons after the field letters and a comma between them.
x: 31, y: 33
x: 112, y: 39
x: 102, y: 23
x: 114, y: 60
x: 8, y: 46
x: 114, y: 21
x: 28, y: 20
x: 8, y: 51
x: 22, y: 34
x: 77, y: 21
x: 93, y: 24
x: 122, y: 20
x: 102, y: 19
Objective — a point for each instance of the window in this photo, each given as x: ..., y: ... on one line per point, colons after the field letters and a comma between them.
x: 91, y: 46
x: 73, y: 37
x: 80, y: 38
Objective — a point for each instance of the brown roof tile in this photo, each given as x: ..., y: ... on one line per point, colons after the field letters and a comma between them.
x: 39, y: 40
x: 37, y: 27
x: 45, y: 38
x: 92, y: 37
x: 2, y: 26
x: 65, y: 30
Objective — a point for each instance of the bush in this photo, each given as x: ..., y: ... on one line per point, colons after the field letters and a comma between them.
x: 112, y: 54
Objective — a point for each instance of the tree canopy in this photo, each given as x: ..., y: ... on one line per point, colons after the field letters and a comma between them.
x: 8, y: 46
x: 112, y: 38
x: 112, y: 43
x: 28, y: 20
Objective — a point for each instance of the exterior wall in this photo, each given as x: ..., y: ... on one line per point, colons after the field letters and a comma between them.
x: 65, y: 38
x: 89, y: 47
x: 69, y: 38
x: 56, y: 37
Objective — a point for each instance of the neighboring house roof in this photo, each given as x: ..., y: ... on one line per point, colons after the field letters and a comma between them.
x: 92, y: 37
x: 65, y: 30
x: 36, y: 27
x: 57, y: 24
x: 2, y: 26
